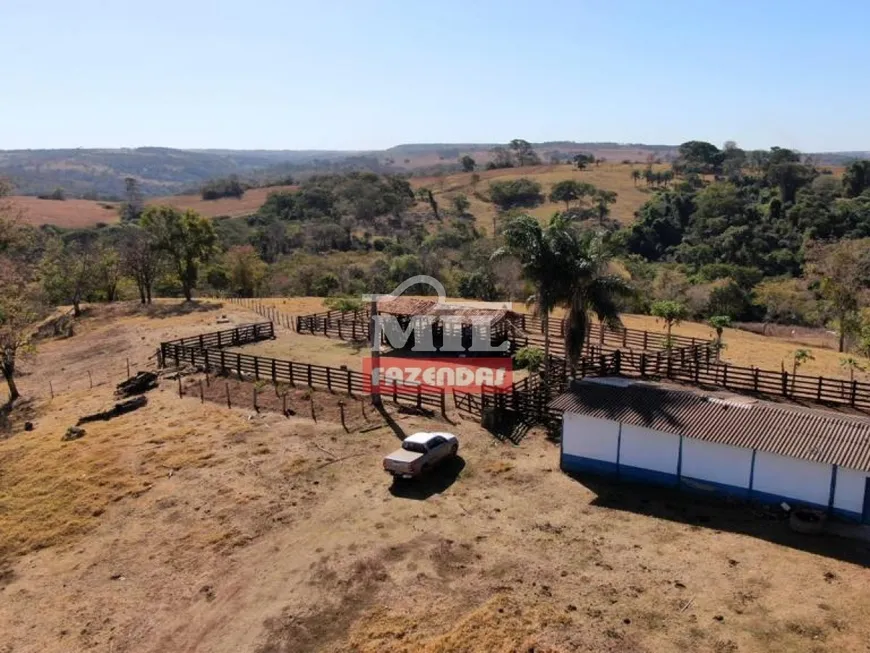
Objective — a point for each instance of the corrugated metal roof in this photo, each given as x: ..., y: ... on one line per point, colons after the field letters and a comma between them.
x: 810, y: 434
x: 415, y: 306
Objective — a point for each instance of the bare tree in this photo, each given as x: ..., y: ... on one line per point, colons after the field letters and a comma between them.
x: 140, y: 259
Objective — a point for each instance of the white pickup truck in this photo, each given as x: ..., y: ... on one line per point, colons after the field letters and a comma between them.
x: 420, y: 452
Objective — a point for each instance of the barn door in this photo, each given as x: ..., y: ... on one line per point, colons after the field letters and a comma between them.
x: 866, y: 515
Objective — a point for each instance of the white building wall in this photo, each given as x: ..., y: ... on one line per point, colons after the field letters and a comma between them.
x: 648, y: 449
x: 796, y: 479
x: 718, y: 463
x: 590, y: 437
x: 849, y: 494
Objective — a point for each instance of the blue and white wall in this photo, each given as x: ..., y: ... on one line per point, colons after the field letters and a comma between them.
x: 609, y: 448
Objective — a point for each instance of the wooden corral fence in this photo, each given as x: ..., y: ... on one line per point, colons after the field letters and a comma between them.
x: 268, y: 311
x: 529, y: 331
x: 260, y: 368
x: 235, y: 337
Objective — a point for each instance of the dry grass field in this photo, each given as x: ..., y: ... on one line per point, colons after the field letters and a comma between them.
x: 71, y: 214
x: 608, y: 176
x: 79, y: 214
x: 193, y: 527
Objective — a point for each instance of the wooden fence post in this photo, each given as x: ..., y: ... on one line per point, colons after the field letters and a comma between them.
x: 419, y: 396
x: 329, y: 378
x: 51, y: 388
x: 257, y: 368
x: 854, y: 392
x: 819, y: 390
x: 91, y: 379
x: 229, y: 404
x: 443, y: 402
x: 341, y: 411
x: 290, y: 369
x: 311, y: 402
x: 645, y: 340
x: 180, y: 390
x: 128, y: 368
x: 239, y: 366
x: 755, y: 379
x: 309, y: 376
x: 725, y: 376
x: 254, y: 393
x: 349, y: 388
x: 201, y: 393
x: 284, y: 404
x: 784, y: 383
x: 274, y: 371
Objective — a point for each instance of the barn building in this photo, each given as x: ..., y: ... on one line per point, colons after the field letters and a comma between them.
x: 730, y: 445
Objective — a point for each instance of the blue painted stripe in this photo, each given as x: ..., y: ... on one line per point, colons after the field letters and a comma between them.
x: 589, y: 465
x: 776, y: 499
x: 702, y: 486
x: 847, y: 515
x: 641, y: 475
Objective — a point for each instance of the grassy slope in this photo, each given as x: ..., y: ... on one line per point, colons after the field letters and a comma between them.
x: 609, y: 176
x: 86, y: 213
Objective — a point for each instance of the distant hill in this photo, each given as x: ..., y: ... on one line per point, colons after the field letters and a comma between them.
x: 98, y: 174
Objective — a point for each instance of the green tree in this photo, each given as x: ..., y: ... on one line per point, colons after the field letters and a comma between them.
x: 589, y: 287
x: 582, y: 161
x: 570, y: 190
x: 246, y: 270
x: 538, y: 250
x: 19, y: 310
x: 603, y: 199
x: 515, y: 193
x: 856, y: 178
x: 852, y: 365
x: 344, y: 303
x: 671, y: 313
x: 635, y: 176
x: 529, y: 358
x: 799, y: 357
x: 67, y: 272
x: 841, y: 270
x: 460, y: 204
x: 187, y: 239
x: 566, y: 267
x: 468, y: 164
x: 524, y: 153
x: 719, y: 323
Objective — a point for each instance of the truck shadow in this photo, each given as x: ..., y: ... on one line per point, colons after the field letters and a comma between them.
x: 435, y: 482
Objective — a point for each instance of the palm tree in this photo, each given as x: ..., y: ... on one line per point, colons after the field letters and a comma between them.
x: 568, y: 268
x: 635, y: 176
x: 603, y: 199
x: 535, y: 248
x: 590, y: 289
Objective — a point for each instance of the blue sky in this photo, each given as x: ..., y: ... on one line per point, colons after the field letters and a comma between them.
x: 366, y: 74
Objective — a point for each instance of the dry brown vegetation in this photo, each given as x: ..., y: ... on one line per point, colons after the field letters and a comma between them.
x: 77, y: 214
x: 192, y: 527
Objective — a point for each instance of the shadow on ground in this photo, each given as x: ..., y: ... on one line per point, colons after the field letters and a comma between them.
x: 435, y: 482
x: 730, y: 515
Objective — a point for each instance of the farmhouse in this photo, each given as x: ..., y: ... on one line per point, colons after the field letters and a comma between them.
x: 730, y: 445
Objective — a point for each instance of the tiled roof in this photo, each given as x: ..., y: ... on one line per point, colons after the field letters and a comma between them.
x: 810, y: 434
x: 415, y: 306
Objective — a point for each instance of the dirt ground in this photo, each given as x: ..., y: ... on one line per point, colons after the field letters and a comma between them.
x: 187, y: 526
